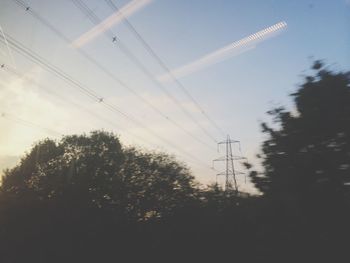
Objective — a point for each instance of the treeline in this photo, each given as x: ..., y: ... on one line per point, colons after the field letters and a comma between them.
x: 86, y: 198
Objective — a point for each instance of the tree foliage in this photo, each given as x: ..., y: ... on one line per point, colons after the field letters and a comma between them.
x: 309, y: 150
x: 87, y: 195
x: 95, y: 171
x: 306, y: 168
x: 86, y: 198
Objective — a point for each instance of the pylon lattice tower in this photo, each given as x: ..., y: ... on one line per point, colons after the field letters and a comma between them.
x: 230, y: 172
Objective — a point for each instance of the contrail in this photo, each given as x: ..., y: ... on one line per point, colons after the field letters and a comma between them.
x: 8, y: 48
x: 234, y: 48
x: 110, y: 21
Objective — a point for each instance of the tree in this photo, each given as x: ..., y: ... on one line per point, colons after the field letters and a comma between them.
x: 96, y: 171
x: 306, y: 163
x: 157, y: 183
x: 310, y: 148
x: 84, y: 199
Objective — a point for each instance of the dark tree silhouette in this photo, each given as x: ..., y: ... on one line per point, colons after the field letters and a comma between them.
x: 306, y: 161
x: 97, y: 172
x: 88, y: 199
x: 87, y: 196
x: 309, y: 151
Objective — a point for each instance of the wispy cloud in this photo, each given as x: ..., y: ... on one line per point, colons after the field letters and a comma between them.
x: 230, y: 50
x: 18, y: 98
x: 112, y: 20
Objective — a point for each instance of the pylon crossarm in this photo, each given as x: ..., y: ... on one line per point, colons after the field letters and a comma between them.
x: 228, y: 141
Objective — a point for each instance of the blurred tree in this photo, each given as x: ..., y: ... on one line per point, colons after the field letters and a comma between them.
x: 309, y: 150
x: 306, y: 166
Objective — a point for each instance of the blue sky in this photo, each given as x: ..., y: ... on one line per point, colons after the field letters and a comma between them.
x: 236, y: 92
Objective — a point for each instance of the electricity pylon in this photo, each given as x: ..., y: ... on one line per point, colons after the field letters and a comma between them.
x: 230, y: 173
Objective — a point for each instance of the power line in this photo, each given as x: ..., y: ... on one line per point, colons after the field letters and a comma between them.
x: 29, y: 124
x: 35, y: 58
x: 21, y: 121
x: 17, y: 74
x: 156, y: 57
x: 110, y: 35
x: 106, y: 70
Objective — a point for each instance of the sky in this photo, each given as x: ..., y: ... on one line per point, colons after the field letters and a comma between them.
x: 235, y: 90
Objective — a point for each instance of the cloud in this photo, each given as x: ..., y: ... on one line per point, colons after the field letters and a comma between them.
x: 235, y: 48
x: 113, y: 20
x: 21, y: 101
